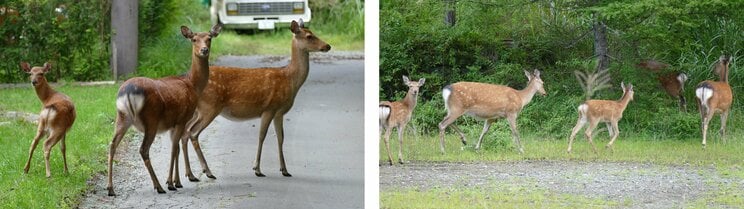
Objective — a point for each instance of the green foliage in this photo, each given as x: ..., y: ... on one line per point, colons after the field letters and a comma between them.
x: 76, y: 41
x: 494, y: 40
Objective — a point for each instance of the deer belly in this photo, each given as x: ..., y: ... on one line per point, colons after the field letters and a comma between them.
x: 240, y: 115
x: 486, y: 115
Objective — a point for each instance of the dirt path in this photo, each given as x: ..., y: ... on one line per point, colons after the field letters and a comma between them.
x: 642, y: 185
x: 323, y: 146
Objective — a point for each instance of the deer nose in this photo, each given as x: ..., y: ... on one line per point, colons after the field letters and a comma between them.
x: 326, y: 48
x: 34, y: 82
x: 204, y: 51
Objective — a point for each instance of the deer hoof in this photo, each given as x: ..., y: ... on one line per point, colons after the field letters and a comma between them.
x: 193, y: 179
x: 170, y: 187
x: 400, y: 161
x: 160, y: 190
x: 111, y: 192
x: 211, y: 176
x: 259, y: 174
x: 179, y: 185
x: 286, y: 174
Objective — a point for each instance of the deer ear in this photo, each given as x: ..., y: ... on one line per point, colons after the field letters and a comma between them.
x: 528, y: 74
x: 295, y: 27
x: 406, y: 80
x: 47, y: 67
x: 536, y: 73
x: 186, y: 32
x: 215, y: 30
x: 622, y: 85
x: 25, y: 67
x: 302, y: 23
x: 421, y: 81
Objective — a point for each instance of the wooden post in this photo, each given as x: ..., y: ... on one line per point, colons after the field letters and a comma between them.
x: 449, y: 12
x: 124, y: 42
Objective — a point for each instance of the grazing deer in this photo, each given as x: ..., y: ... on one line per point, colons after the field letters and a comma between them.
x: 607, y: 111
x: 158, y: 105
x: 56, y: 117
x: 487, y: 102
x: 397, y: 115
x: 673, y: 83
x: 241, y: 94
x: 715, y: 97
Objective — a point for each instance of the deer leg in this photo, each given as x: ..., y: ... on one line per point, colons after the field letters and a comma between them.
x: 459, y: 132
x: 54, y: 137
x: 722, y: 131
x: 486, y: 126
x: 40, y: 132
x: 63, y: 148
x: 705, y: 120
x: 388, y: 131
x: 401, y: 130
x: 609, y: 129
x: 615, y: 133
x: 588, y: 133
x: 204, y: 119
x: 575, y: 130
x: 176, y: 134
x: 451, y: 117
x: 682, y: 102
x: 122, y: 125
x: 279, y: 129
x: 515, y: 133
x: 150, y: 133
x: 265, y: 121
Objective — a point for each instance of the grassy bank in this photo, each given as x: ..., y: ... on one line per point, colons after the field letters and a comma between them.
x: 87, y: 143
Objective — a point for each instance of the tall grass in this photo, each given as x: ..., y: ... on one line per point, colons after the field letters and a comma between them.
x: 86, y: 149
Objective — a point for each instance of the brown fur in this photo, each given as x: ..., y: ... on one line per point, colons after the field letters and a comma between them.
x: 168, y: 104
x: 668, y: 80
x: 596, y: 111
x: 488, y: 102
x: 56, y: 117
x: 243, y: 94
x: 719, y: 102
x: 399, y: 115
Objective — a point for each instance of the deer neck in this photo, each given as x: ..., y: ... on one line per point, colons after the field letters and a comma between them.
x: 624, y: 100
x: 199, y: 73
x: 527, y: 93
x: 410, y: 100
x: 299, y: 66
x: 44, y: 91
x: 724, y: 74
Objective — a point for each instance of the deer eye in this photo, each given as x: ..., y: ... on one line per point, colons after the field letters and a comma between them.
x: 193, y: 40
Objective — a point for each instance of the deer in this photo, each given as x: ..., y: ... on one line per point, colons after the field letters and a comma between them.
x: 608, y: 111
x: 715, y: 97
x: 397, y: 115
x: 56, y: 117
x: 241, y: 94
x: 154, y: 106
x: 487, y: 102
x: 672, y: 82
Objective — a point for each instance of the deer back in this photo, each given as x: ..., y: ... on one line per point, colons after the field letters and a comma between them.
x: 169, y: 101
x: 671, y: 84
x: 484, y: 100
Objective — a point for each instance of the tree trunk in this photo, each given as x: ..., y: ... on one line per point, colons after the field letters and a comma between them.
x: 449, y: 12
x: 600, y: 44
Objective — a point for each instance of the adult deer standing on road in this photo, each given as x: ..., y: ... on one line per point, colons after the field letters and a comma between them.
x: 158, y: 105
x: 672, y: 82
x: 715, y: 97
x: 607, y: 111
x: 56, y: 117
x: 397, y: 115
x: 241, y: 94
x: 487, y: 102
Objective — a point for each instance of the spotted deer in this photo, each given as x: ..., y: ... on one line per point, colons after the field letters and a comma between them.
x: 56, y: 117
x: 488, y: 102
x: 240, y: 94
x: 397, y: 115
x: 595, y: 111
x: 672, y: 82
x: 715, y: 97
x: 157, y: 105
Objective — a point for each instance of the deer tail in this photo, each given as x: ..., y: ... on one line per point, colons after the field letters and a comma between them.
x: 384, y: 114
x: 446, y: 91
x: 704, y: 92
x: 130, y: 101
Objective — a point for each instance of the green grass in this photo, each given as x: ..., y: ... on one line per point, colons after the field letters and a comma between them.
x: 525, y: 196
x: 87, y: 143
x: 626, y: 149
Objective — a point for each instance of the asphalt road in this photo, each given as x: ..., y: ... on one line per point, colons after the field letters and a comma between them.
x: 324, y: 150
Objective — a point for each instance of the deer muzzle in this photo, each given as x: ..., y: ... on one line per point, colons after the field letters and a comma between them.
x: 326, y: 48
x: 204, y: 51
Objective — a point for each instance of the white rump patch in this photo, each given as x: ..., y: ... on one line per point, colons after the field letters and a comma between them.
x: 583, y: 109
x: 384, y: 114
x: 47, y: 114
x: 682, y: 78
x: 704, y: 94
x: 446, y: 94
x: 128, y: 103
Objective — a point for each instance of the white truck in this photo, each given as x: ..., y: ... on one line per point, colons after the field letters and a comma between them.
x: 258, y: 14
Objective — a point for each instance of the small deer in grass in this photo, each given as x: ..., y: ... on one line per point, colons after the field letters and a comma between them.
x: 607, y: 111
x: 56, y: 118
x: 715, y: 97
x: 673, y: 83
x: 487, y: 102
x: 241, y: 94
x: 158, y: 105
x: 397, y: 115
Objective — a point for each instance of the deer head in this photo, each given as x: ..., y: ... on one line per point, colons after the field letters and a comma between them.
x: 201, y: 41
x: 413, y: 86
x: 627, y: 91
x: 534, y: 77
x: 305, y: 39
x: 37, y: 73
